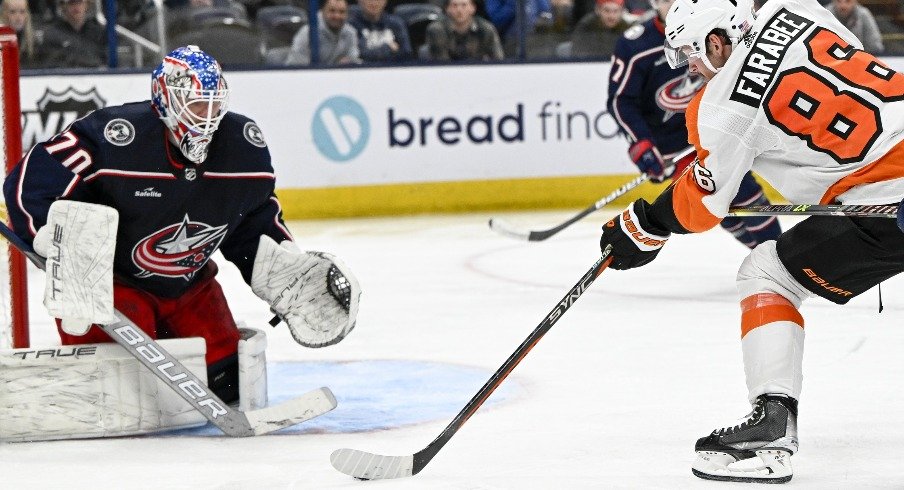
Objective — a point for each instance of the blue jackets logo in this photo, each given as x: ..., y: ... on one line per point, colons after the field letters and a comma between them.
x: 340, y: 128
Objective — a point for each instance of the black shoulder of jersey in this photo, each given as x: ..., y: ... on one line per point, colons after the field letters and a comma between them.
x: 119, y: 124
x: 239, y: 145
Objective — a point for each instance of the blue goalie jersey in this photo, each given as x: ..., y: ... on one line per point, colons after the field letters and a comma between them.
x: 173, y: 214
x: 647, y: 98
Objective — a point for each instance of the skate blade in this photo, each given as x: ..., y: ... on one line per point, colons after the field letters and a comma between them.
x: 768, y: 466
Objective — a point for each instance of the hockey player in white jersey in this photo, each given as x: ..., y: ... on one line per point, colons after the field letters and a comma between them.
x: 792, y: 96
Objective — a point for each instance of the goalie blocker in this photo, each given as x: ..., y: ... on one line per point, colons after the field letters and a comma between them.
x: 100, y: 390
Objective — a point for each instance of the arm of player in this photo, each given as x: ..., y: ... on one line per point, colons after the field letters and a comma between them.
x: 627, y: 82
x: 79, y: 242
x: 49, y: 171
x: 699, y: 198
x: 696, y: 201
x: 313, y: 292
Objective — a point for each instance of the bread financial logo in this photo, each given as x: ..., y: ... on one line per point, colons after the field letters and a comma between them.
x: 54, y: 111
x: 340, y: 128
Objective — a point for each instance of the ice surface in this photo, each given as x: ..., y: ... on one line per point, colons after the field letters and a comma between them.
x: 613, y: 397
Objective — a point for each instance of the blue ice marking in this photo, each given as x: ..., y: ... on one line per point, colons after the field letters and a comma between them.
x: 378, y: 394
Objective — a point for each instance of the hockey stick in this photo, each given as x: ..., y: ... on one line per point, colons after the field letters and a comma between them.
x: 165, y: 366
x: 369, y: 466
x: 504, y: 228
x: 851, y: 210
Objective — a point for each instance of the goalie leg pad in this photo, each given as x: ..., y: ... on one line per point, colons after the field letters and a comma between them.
x: 91, y: 390
x: 313, y: 292
x: 252, y: 369
x: 79, y: 241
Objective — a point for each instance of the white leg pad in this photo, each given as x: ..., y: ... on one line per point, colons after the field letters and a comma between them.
x: 773, y: 359
x: 773, y: 353
x: 92, y: 390
x: 252, y: 369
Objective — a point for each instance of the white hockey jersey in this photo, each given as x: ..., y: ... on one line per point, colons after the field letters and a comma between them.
x: 802, y: 105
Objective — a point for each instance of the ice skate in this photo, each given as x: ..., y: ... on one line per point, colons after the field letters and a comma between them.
x: 757, y: 449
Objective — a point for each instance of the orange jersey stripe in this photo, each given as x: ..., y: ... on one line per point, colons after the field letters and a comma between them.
x: 764, y: 308
x: 889, y: 166
x: 687, y: 196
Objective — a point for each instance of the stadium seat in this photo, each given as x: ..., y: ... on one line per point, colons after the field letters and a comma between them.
x: 417, y: 16
x: 193, y: 19
x: 276, y: 56
x: 278, y: 24
x: 230, y: 44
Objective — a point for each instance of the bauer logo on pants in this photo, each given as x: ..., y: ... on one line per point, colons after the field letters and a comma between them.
x: 340, y: 128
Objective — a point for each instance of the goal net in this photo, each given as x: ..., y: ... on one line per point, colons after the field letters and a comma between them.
x: 13, y: 285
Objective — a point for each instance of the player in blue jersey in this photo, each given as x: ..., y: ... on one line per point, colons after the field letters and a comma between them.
x: 647, y: 99
x: 133, y: 200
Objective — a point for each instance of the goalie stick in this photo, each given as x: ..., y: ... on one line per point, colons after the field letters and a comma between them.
x: 369, y: 466
x: 171, y: 372
x: 850, y: 210
x: 504, y: 228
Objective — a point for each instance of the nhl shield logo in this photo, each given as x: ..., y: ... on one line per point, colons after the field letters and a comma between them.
x: 191, y: 174
x: 254, y: 135
x: 71, y: 100
x: 119, y: 132
x: 54, y: 111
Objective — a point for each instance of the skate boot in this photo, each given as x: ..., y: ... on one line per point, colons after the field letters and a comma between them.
x: 757, y: 449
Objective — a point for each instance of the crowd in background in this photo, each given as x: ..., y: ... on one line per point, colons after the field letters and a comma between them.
x: 71, y: 34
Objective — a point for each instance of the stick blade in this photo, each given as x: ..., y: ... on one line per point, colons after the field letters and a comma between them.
x: 369, y: 466
x: 504, y: 228
x: 295, y: 411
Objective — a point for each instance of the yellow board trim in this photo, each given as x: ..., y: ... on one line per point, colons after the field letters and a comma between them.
x: 455, y: 197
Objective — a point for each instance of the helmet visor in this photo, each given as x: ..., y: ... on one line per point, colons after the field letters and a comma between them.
x: 678, y: 56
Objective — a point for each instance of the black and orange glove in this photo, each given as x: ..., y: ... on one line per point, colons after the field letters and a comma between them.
x: 635, y: 242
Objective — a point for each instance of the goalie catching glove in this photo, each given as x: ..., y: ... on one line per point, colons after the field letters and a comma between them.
x: 313, y: 292
x: 634, y: 241
x: 79, y: 241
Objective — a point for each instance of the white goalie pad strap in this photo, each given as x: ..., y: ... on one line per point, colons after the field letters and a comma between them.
x: 92, y: 390
x: 252, y: 369
x: 79, y: 240
x: 313, y: 292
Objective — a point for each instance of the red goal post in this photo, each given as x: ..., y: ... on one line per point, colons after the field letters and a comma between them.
x: 13, y: 290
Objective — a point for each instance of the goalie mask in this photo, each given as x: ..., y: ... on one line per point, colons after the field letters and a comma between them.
x: 190, y: 95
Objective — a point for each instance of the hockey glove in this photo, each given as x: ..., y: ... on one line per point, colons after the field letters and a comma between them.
x: 313, y: 292
x: 634, y: 242
x: 646, y: 156
x: 79, y: 241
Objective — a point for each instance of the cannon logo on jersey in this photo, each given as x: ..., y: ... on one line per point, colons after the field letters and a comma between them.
x: 254, y: 135
x: 674, y: 96
x: 178, y: 250
x: 119, y: 132
x: 766, y: 54
x: 55, y: 111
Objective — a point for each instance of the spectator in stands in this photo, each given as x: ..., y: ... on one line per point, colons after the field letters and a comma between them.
x: 74, y: 39
x: 338, y: 39
x: 635, y: 11
x: 381, y: 36
x: 15, y: 14
x: 597, y: 33
x: 460, y: 35
x: 861, y: 23
x: 502, y: 14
